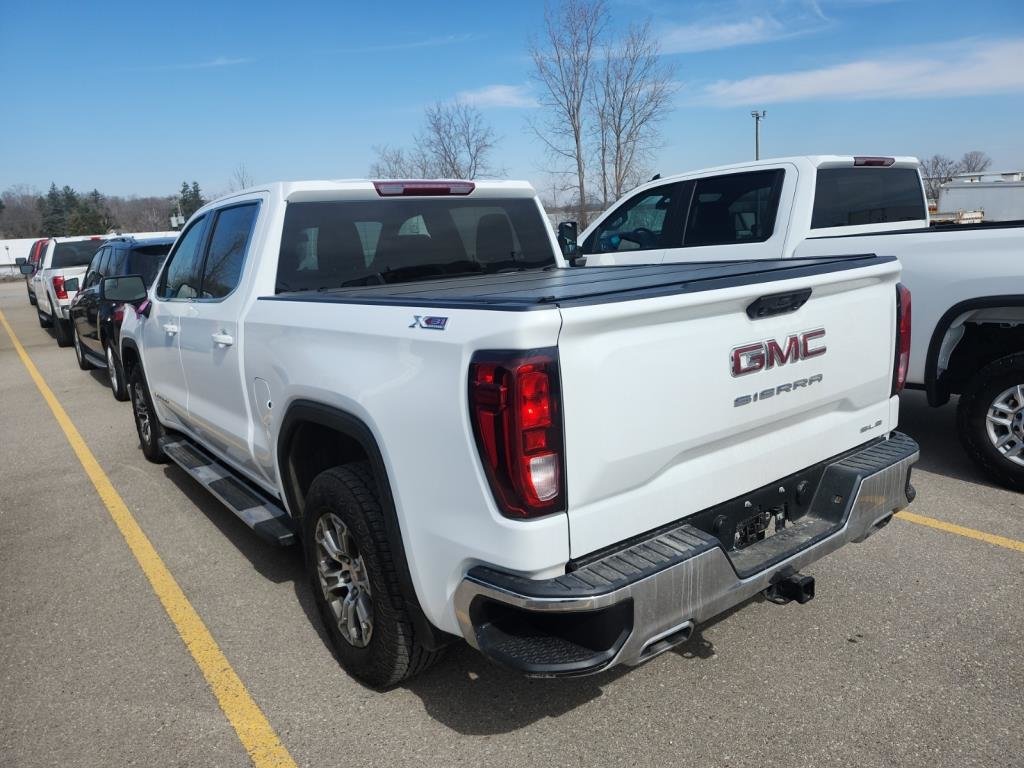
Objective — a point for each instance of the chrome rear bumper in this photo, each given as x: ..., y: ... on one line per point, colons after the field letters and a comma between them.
x: 640, y: 600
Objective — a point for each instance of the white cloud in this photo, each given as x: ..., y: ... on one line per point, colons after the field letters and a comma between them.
x: 499, y: 96
x: 734, y: 24
x: 962, y: 68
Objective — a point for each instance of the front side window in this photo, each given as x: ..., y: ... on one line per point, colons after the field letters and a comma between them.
x: 231, y: 232
x: 851, y: 196
x: 737, y: 208
x: 92, y: 275
x: 640, y: 224
x: 181, y: 278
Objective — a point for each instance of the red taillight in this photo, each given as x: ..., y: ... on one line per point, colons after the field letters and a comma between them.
x: 514, y: 403
x: 58, y: 287
x: 419, y: 188
x: 902, y: 362
x: 880, y: 162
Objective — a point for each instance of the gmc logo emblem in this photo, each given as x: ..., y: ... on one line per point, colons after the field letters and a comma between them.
x: 765, y: 355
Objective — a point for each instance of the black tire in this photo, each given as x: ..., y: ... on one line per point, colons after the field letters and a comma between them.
x: 115, y: 373
x: 392, y: 653
x: 981, y: 393
x: 83, y: 361
x: 62, y: 329
x: 31, y: 297
x: 45, y: 321
x: 149, y: 440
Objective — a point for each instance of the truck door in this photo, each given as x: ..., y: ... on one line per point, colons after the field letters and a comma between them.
x: 218, y: 407
x: 177, y: 287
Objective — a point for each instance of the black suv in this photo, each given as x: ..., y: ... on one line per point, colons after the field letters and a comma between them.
x: 96, y: 323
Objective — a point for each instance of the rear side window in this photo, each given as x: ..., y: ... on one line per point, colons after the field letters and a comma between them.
x: 182, y: 277
x: 641, y: 223
x: 75, y: 254
x: 116, y: 264
x: 847, y: 197
x: 144, y: 260
x: 350, y: 243
x: 737, y: 208
x: 226, y: 254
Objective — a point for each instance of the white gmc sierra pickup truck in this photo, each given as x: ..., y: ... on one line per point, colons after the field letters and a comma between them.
x: 568, y: 468
x: 967, y: 280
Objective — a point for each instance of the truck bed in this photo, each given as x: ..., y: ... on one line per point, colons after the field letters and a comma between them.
x: 555, y: 287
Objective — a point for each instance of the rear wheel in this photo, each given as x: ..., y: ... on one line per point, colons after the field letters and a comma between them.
x: 115, y: 373
x: 61, y: 328
x: 83, y: 361
x: 990, y: 420
x: 146, y: 423
x: 354, y: 581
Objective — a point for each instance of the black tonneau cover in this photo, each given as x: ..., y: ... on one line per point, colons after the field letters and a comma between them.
x: 563, y: 287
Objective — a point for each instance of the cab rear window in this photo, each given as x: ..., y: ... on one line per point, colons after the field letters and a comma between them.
x: 846, y: 197
x: 74, y: 254
x: 340, y: 244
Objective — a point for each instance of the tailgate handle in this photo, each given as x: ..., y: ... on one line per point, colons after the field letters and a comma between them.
x: 778, y: 304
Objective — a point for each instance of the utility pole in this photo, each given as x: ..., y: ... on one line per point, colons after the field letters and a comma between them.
x: 758, y: 117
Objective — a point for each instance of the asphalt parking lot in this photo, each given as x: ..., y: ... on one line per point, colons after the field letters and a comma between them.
x: 912, y: 653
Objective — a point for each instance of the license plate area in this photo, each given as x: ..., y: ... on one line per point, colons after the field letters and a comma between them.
x: 767, y: 521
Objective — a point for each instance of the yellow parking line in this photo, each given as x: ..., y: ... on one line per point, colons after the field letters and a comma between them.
x: 251, y: 725
x: 991, y: 538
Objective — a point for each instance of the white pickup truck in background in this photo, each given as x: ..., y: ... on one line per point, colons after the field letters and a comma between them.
x: 967, y: 281
x: 568, y: 469
x: 65, y: 258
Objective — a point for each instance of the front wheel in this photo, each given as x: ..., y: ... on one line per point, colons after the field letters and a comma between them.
x: 31, y: 297
x: 990, y: 420
x: 146, y: 423
x: 115, y: 373
x: 353, y: 578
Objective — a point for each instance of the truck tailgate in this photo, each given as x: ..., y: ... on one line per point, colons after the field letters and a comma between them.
x: 659, y: 426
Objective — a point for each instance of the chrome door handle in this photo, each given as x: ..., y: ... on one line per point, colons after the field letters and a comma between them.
x: 170, y: 329
x: 223, y: 339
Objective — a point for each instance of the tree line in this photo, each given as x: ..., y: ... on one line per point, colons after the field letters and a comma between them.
x: 63, y: 211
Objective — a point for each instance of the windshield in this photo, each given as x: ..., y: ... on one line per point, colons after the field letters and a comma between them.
x: 75, y: 254
x: 146, y: 260
x: 344, y: 243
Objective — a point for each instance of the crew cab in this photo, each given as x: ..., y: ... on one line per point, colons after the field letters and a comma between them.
x: 568, y: 468
x: 966, y: 280
x: 65, y: 258
x: 96, y: 321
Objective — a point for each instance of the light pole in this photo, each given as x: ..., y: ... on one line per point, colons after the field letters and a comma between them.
x: 758, y: 117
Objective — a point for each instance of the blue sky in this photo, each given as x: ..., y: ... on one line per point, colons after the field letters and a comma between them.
x: 132, y: 97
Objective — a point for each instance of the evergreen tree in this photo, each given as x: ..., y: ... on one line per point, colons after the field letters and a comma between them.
x: 191, y: 198
x: 53, y: 212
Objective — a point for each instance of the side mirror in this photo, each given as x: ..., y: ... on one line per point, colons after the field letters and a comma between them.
x: 20, y: 260
x: 129, y: 289
x: 26, y: 269
x: 72, y: 284
x: 567, y: 231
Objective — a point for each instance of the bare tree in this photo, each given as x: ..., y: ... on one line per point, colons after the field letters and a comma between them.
x: 563, y: 67
x: 936, y: 171
x: 21, y: 214
x: 632, y: 94
x: 458, y: 140
x: 399, y: 163
x: 455, y: 142
x: 975, y: 161
x: 240, y: 178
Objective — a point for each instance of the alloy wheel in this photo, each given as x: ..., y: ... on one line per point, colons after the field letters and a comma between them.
x: 343, y: 580
x: 1005, y: 424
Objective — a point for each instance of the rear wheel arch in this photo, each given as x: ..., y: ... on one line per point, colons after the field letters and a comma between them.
x: 940, y: 387
x: 315, y: 437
